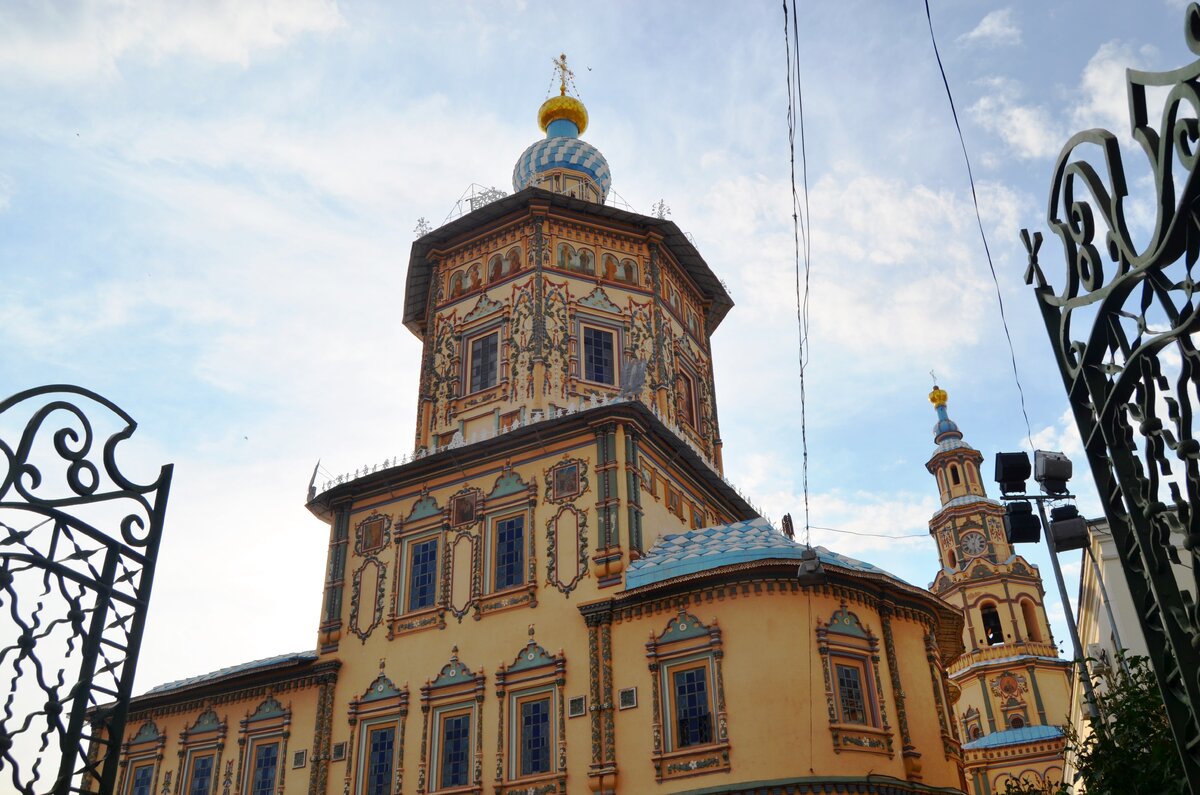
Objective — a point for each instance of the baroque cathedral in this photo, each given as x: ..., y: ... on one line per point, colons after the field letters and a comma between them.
x: 559, y: 592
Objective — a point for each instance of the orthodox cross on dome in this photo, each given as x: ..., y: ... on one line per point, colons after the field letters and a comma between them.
x: 564, y: 74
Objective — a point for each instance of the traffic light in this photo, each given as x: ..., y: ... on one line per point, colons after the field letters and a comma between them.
x: 1021, y: 525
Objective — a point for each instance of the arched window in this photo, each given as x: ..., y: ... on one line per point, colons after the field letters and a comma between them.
x: 952, y: 558
x: 1032, y: 630
x: 1016, y: 722
x: 975, y: 732
x: 954, y: 478
x: 992, y: 631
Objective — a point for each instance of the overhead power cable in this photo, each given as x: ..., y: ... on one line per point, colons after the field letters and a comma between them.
x: 979, y: 220
x: 801, y: 228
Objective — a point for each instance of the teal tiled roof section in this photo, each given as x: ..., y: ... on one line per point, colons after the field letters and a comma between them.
x: 278, y: 661
x: 1025, y: 734
x: 695, y: 551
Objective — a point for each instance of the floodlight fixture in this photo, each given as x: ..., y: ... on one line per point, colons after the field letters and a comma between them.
x: 1052, y: 470
x: 1020, y: 524
x: 811, y: 571
x: 1012, y: 470
x: 1068, y: 529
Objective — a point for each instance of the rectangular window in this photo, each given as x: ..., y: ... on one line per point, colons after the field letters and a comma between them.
x: 850, y: 694
x: 266, y: 764
x: 510, y: 552
x: 143, y: 780
x: 201, y: 775
x: 687, y: 400
x: 674, y: 502
x: 598, y: 361
x: 422, y: 577
x: 381, y: 745
x: 456, y: 747
x: 692, y: 716
x: 485, y: 354
x: 535, y: 737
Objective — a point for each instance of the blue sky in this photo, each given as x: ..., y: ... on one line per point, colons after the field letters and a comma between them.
x: 206, y: 211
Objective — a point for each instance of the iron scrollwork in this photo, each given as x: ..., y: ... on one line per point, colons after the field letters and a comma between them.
x: 1123, y: 328
x: 78, y: 545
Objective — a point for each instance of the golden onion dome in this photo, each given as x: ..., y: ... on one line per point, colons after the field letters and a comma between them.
x: 938, y: 396
x: 563, y: 107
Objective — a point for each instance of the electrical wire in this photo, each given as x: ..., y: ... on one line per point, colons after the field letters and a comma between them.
x: 800, y: 229
x: 872, y: 535
x: 979, y: 220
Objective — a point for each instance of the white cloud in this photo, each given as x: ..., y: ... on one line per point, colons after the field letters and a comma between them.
x: 1029, y: 130
x: 56, y: 42
x: 995, y: 29
x: 1104, y: 98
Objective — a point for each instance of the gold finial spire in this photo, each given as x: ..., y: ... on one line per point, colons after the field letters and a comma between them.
x: 563, y: 106
x: 564, y: 74
x: 938, y: 396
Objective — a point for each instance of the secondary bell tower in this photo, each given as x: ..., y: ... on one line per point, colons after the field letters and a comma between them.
x: 1014, y: 686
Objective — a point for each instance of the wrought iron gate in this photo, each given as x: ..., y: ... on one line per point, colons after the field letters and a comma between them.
x: 1124, y: 328
x: 78, y: 543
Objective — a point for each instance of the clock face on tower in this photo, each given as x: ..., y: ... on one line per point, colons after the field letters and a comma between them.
x: 974, y: 544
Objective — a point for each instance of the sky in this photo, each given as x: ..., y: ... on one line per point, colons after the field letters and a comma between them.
x: 206, y: 210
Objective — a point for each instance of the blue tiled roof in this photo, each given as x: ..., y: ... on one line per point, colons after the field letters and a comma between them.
x: 277, y: 661
x: 714, y: 547
x: 1026, y: 734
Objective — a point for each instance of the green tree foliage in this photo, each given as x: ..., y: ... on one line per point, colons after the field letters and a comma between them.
x: 1130, y: 750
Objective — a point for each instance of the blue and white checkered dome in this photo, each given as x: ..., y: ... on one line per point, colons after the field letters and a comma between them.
x: 562, y: 148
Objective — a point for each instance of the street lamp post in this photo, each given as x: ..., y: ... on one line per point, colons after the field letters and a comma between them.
x: 1053, y: 470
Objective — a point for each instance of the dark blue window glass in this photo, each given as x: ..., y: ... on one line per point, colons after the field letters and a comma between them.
x: 850, y: 694
x: 380, y: 745
x: 201, y: 775
x: 266, y: 763
x: 535, y: 737
x: 422, y: 579
x: 456, y: 745
x: 691, y: 707
x: 143, y: 779
x: 598, y: 356
x: 510, y: 552
x: 484, y: 353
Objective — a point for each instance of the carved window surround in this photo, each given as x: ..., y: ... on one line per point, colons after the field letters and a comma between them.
x: 380, y: 706
x: 206, y: 736
x: 844, y: 640
x: 533, y: 674
x: 144, y: 749
x: 686, y: 643
x: 269, y: 723
x: 401, y: 620
x: 524, y: 594
x: 456, y: 690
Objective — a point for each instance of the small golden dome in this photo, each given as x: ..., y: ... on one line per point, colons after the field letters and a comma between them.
x: 938, y: 396
x: 563, y: 107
